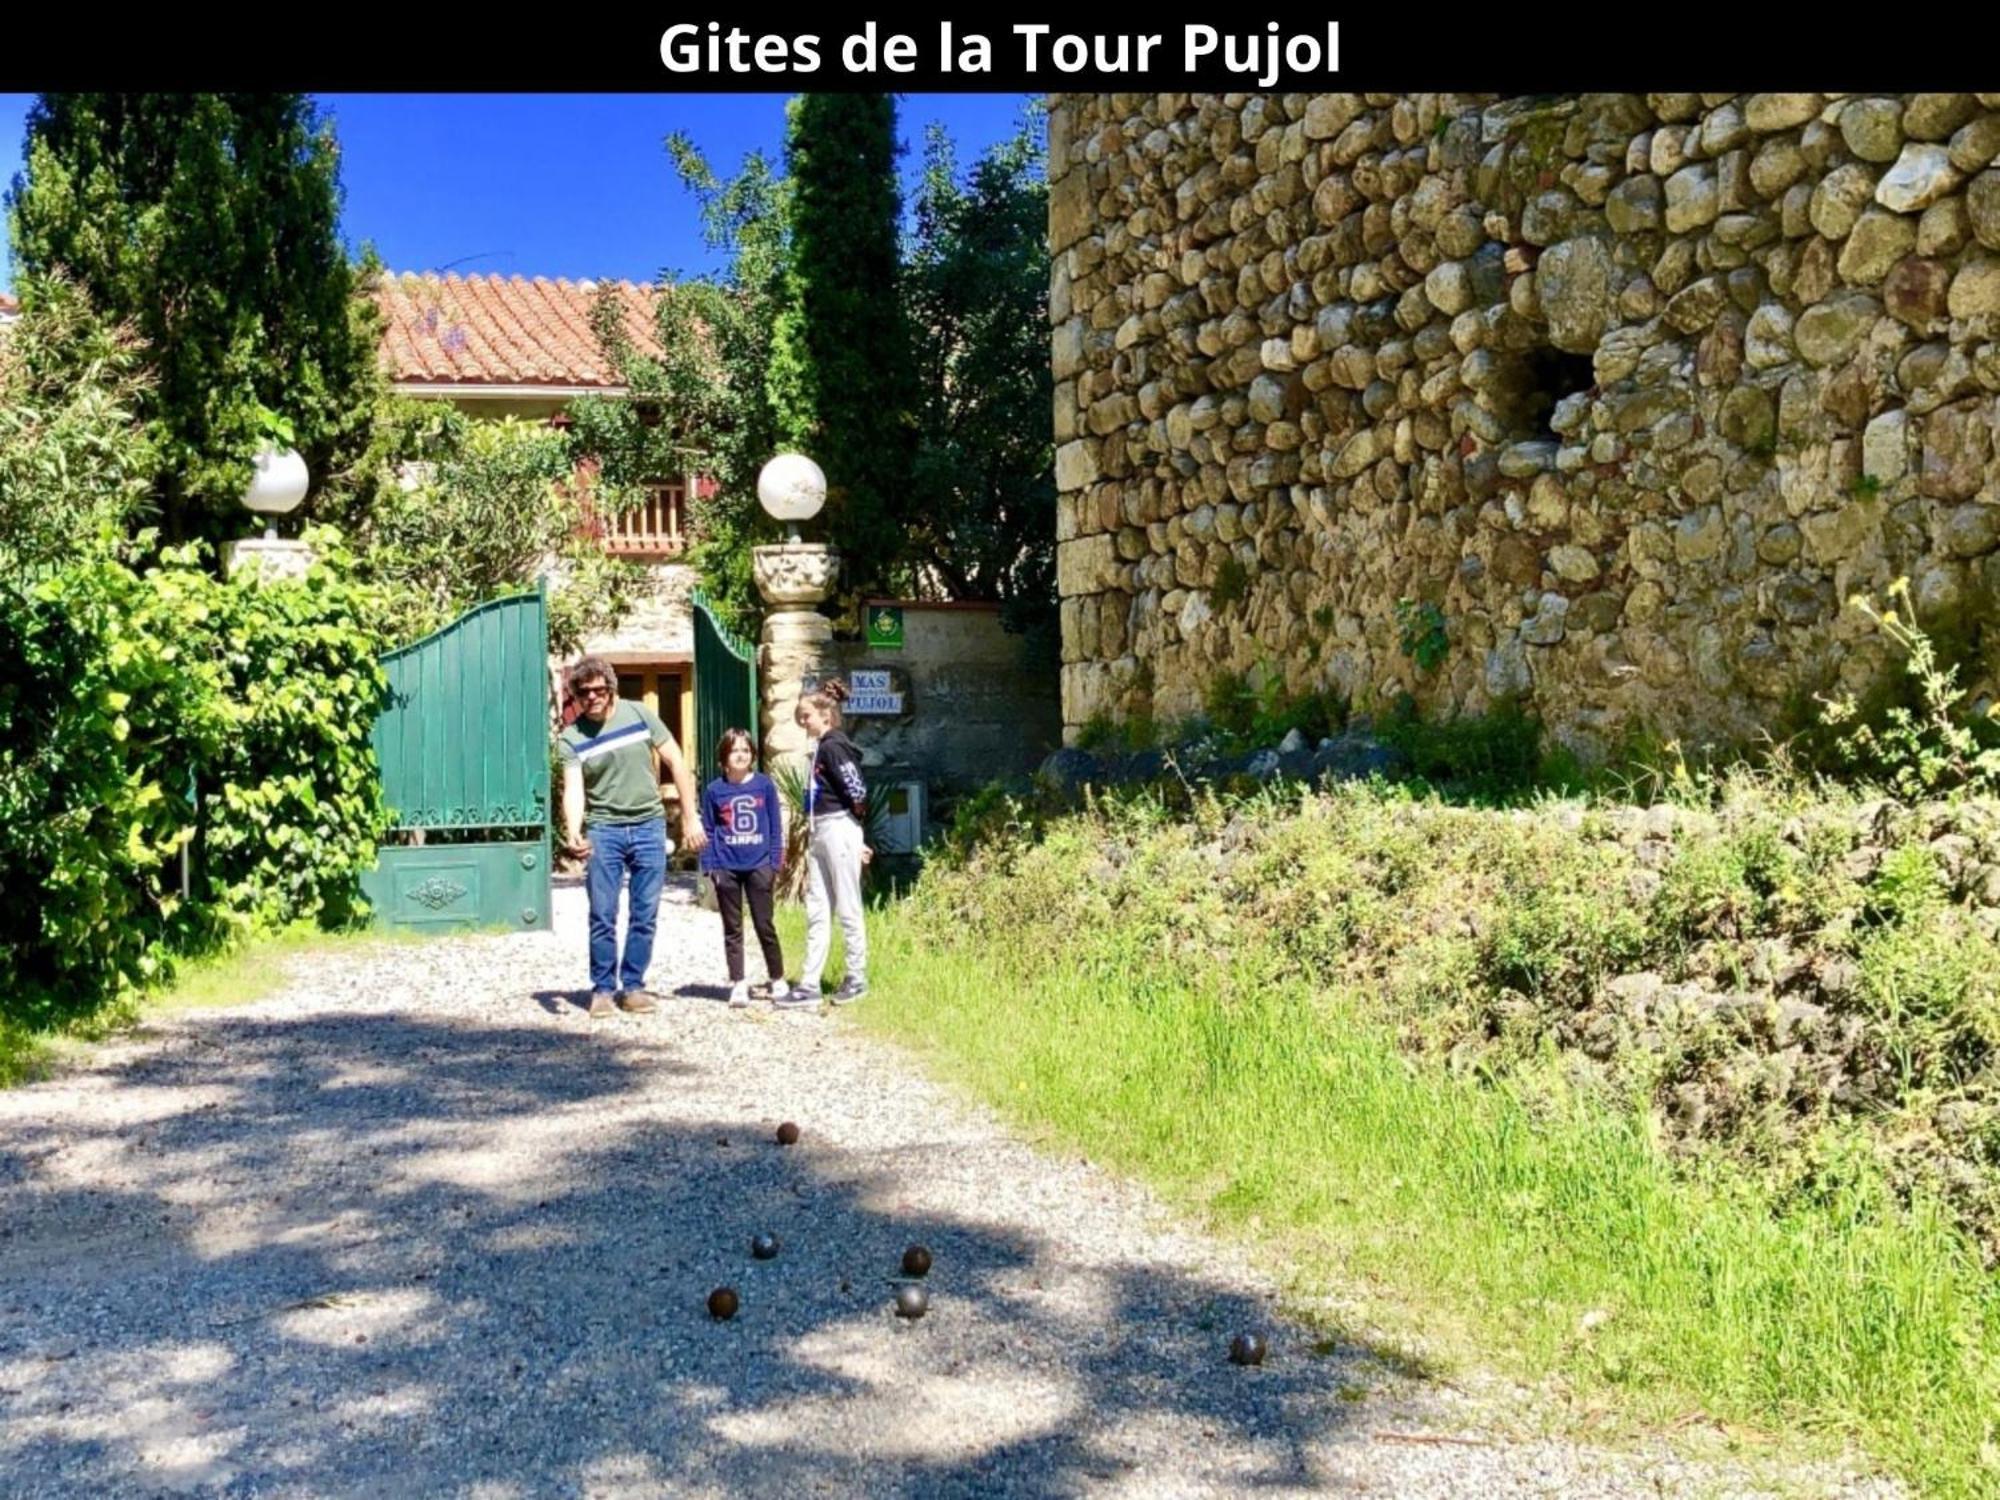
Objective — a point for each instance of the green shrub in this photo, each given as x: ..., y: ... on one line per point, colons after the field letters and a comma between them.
x: 1561, y: 936
x: 1908, y: 887
x: 145, y: 706
x: 111, y: 708
x: 1929, y: 744
x: 1251, y: 712
x: 1102, y: 732
x: 1231, y: 703
x: 1098, y: 732
x: 1723, y: 884
x: 1317, y: 716
x: 1498, y: 752
x: 296, y: 807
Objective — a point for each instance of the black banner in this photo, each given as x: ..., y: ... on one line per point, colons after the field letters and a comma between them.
x: 1437, y: 48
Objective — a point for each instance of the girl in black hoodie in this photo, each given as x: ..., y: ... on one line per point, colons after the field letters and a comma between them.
x: 836, y: 813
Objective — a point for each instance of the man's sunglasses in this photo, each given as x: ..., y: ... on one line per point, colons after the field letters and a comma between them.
x: 600, y: 691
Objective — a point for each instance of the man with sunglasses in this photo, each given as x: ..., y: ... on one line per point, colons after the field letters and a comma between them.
x: 612, y: 756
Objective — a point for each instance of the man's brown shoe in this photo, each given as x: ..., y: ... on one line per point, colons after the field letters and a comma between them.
x: 600, y: 1003
x: 638, y: 1002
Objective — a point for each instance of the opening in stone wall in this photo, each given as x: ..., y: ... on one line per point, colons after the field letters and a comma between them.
x: 1536, y: 382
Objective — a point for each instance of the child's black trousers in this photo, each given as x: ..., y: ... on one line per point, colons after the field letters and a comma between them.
x: 731, y: 886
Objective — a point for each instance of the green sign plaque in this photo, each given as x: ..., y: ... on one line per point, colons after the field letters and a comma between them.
x: 885, y: 627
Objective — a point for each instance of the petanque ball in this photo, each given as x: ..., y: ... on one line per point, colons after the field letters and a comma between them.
x: 912, y: 1302
x: 1246, y: 1349
x: 916, y: 1261
x: 788, y: 1134
x: 764, y: 1246
x: 722, y: 1303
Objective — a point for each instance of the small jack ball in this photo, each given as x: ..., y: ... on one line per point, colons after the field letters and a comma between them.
x: 916, y: 1261
x: 722, y: 1303
x: 1246, y: 1349
x: 912, y: 1302
x: 764, y: 1246
x: 788, y: 1134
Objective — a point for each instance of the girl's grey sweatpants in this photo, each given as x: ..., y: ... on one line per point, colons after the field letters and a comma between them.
x: 833, y: 886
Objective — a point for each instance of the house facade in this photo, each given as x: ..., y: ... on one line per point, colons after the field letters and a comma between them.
x: 497, y: 347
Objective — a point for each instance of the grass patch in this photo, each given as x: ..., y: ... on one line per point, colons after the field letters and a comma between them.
x: 258, y: 967
x: 1501, y: 1211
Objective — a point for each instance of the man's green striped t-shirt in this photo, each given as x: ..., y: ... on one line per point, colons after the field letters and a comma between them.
x: 619, y: 782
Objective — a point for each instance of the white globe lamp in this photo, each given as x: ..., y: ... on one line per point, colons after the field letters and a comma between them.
x: 791, y: 488
x: 277, y: 484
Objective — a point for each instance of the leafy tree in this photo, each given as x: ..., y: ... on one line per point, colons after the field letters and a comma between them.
x: 466, y: 510
x: 977, y: 289
x: 209, y: 222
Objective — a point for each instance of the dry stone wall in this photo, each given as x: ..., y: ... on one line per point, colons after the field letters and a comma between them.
x: 1633, y: 390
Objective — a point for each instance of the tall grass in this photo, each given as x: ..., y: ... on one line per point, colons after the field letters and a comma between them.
x: 1536, y: 1232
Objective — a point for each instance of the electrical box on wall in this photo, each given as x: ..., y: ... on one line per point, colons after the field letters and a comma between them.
x: 903, y: 821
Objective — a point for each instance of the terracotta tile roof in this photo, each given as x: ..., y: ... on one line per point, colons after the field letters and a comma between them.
x: 10, y: 307
x: 504, y: 330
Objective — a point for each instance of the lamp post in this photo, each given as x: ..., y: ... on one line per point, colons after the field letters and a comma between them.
x: 278, y: 482
x: 791, y: 488
x: 794, y: 576
x: 277, y: 485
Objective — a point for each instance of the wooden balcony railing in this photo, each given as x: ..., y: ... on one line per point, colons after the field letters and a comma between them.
x: 654, y: 528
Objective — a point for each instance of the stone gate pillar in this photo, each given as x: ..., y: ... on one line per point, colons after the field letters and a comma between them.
x: 268, y: 557
x: 794, y: 578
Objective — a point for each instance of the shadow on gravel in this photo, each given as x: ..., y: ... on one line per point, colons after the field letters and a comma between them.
x: 395, y: 1256
x: 703, y: 992
x: 555, y: 1002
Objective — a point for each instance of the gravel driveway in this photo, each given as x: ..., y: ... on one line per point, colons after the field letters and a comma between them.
x: 417, y: 1226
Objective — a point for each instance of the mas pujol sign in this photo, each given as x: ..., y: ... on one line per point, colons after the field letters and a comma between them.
x: 872, y: 692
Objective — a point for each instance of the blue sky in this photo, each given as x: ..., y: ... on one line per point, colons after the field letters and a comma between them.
x: 553, y: 184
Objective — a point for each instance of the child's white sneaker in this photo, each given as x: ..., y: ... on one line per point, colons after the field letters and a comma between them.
x: 780, y: 990
x: 739, y: 994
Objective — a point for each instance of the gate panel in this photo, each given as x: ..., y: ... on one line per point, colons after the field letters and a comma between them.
x: 448, y: 887
x: 463, y: 745
x: 725, y: 689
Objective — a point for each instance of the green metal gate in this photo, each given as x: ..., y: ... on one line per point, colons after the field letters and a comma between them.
x: 463, y: 744
x: 725, y: 688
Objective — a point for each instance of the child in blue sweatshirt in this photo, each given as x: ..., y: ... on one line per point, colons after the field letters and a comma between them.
x: 746, y: 850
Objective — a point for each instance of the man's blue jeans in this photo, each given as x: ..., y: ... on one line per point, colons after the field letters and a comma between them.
x: 639, y: 849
